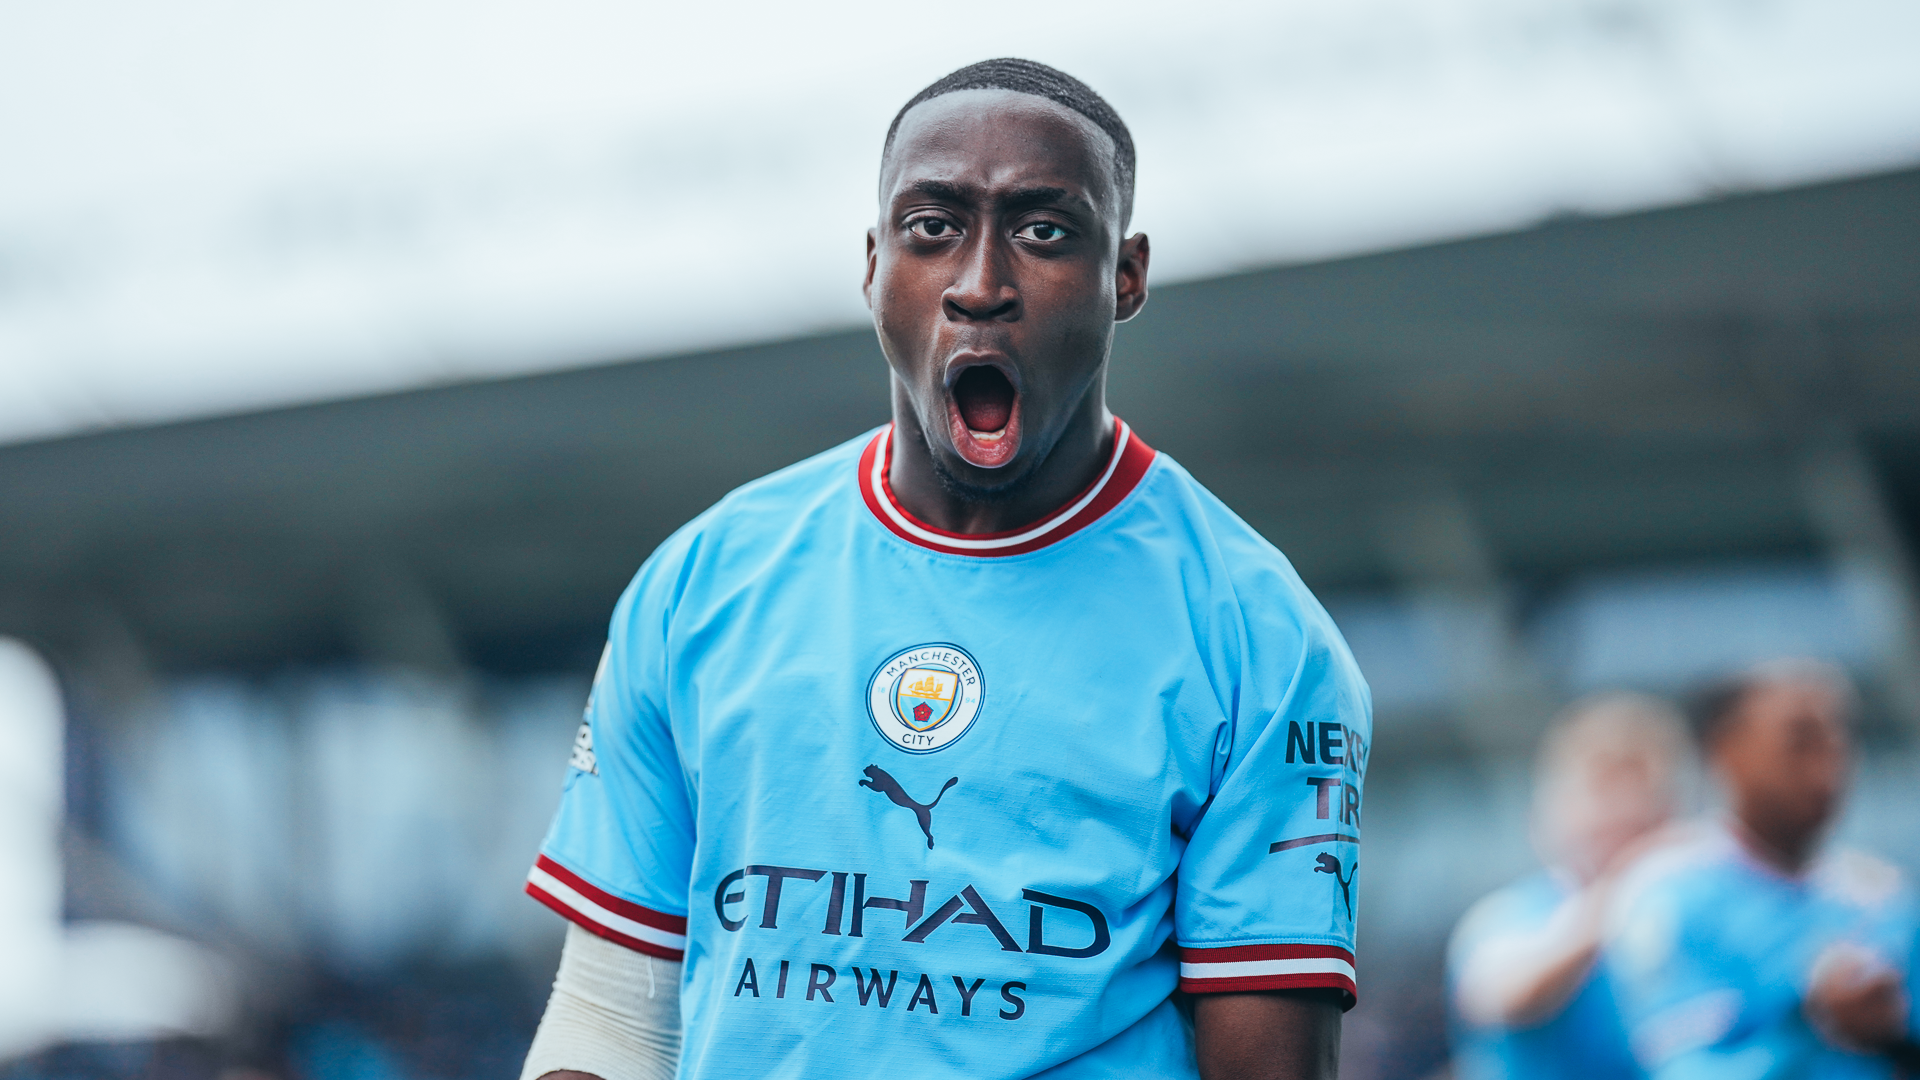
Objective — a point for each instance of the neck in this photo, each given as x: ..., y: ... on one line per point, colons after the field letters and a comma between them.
x: 1789, y: 854
x: 1069, y: 466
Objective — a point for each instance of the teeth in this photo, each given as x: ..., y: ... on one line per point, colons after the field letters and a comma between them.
x: 988, y: 436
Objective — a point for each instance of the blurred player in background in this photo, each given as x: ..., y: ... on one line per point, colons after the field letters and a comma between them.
x: 955, y: 750
x: 1752, y: 950
x: 1529, y: 999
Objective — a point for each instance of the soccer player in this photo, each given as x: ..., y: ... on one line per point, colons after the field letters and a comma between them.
x: 1751, y: 951
x: 1530, y: 1001
x: 955, y: 751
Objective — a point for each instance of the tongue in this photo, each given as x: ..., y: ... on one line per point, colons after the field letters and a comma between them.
x: 985, y: 398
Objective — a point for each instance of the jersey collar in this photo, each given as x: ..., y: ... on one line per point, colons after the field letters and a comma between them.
x: 1129, y: 463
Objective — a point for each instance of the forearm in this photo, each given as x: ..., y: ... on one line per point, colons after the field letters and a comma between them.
x: 1530, y: 992
x: 1526, y: 979
x: 1271, y: 1035
x: 614, y: 1015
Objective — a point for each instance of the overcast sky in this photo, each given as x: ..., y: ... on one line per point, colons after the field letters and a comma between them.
x: 212, y: 206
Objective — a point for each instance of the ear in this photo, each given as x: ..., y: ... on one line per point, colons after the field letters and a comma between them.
x: 1130, y: 277
x: 866, y: 286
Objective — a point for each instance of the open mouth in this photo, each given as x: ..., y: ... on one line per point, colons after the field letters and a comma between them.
x: 986, y: 416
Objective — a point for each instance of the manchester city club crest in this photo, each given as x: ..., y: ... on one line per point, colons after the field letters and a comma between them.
x: 924, y: 698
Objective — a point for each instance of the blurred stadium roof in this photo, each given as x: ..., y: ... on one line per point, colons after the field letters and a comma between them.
x: 211, y: 207
x: 1734, y: 379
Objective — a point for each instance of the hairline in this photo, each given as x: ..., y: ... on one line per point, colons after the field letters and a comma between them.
x: 1721, y: 707
x: 1117, y: 176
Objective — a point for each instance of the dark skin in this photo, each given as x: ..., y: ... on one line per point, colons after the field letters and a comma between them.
x: 1000, y: 244
x: 1783, y: 755
x: 1276, y: 1035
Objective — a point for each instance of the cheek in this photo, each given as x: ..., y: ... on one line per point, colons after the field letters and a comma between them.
x: 1096, y: 299
x: 1831, y: 775
x: 1070, y: 289
x: 1081, y: 317
x: 894, y: 280
x: 894, y: 304
x: 1807, y: 785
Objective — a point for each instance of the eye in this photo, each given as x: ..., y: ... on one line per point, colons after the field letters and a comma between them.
x: 931, y: 228
x: 1045, y: 232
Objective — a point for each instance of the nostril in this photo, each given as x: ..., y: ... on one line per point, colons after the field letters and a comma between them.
x: 963, y: 302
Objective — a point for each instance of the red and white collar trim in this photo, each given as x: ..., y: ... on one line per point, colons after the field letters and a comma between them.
x: 1129, y: 463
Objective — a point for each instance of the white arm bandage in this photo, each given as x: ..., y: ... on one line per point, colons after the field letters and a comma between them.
x: 614, y: 1013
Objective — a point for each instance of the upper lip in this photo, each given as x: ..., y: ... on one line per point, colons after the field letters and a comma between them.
x: 961, y: 361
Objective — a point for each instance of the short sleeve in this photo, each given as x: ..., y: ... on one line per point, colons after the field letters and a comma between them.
x: 618, y: 856
x: 1268, y: 885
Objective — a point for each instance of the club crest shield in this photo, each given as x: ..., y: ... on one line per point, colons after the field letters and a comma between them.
x: 924, y: 698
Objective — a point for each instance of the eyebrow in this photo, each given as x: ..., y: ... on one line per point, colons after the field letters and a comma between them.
x: 937, y: 189
x: 1018, y: 198
x: 1042, y: 196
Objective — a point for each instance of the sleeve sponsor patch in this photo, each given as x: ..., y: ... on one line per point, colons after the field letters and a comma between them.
x: 582, y: 757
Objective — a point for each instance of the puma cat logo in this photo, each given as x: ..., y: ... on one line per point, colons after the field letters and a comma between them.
x: 878, y: 780
x: 1327, y: 864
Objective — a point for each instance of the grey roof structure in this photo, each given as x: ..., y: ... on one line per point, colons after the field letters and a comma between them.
x: 1728, y: 379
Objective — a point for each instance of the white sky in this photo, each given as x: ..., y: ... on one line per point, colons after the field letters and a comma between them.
x: 212, y: 206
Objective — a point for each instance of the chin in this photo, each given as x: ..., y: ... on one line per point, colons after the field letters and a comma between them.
x: 1004, y: 484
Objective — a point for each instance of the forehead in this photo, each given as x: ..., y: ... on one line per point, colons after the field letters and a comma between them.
x: 1777, y: 704
x: 1000, y: 139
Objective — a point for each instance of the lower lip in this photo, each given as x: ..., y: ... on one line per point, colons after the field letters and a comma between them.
x: 985, y: 450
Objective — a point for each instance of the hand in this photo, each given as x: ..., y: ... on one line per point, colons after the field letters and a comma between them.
x: 1856, y: 1000
x: 1639, y: 847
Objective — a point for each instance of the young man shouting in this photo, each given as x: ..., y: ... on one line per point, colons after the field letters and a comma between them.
x: 955, y: 751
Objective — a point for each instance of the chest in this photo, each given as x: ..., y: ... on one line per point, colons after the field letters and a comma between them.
x: 1032, y: 704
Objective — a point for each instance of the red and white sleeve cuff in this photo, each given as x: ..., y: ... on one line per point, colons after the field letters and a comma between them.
x: 600, y: 912
x: 1238, y: 968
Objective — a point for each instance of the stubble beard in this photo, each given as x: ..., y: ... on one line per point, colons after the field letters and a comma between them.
x: 984, y: 495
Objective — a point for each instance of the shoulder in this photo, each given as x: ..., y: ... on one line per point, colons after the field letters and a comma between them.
x: 1685, y: 862
x: 1185, y: 512
x: 752, y: 526
x: 1254, y: 581
x: 1180, y: 512
x: 1860, y: 880
x: 1674, y: 886
x: 753, y: 511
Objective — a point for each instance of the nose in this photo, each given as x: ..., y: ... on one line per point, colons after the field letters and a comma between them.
x: 982, y: 290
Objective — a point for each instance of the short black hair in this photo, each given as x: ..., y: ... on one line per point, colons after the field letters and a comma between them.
x: 1711, y: 707
x: 1031, y: 77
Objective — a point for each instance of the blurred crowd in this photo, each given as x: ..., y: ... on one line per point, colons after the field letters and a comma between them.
x: 1691, y: 919
x: 1736, y: 945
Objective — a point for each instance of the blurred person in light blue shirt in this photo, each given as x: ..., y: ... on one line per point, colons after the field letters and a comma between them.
x: 1752, y: 950
x: 1530, y: 1000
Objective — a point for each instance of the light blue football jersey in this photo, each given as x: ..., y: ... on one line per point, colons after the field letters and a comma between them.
x: 1583, y: 1041
x: 1713, y: 953
x: 921, y: 804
